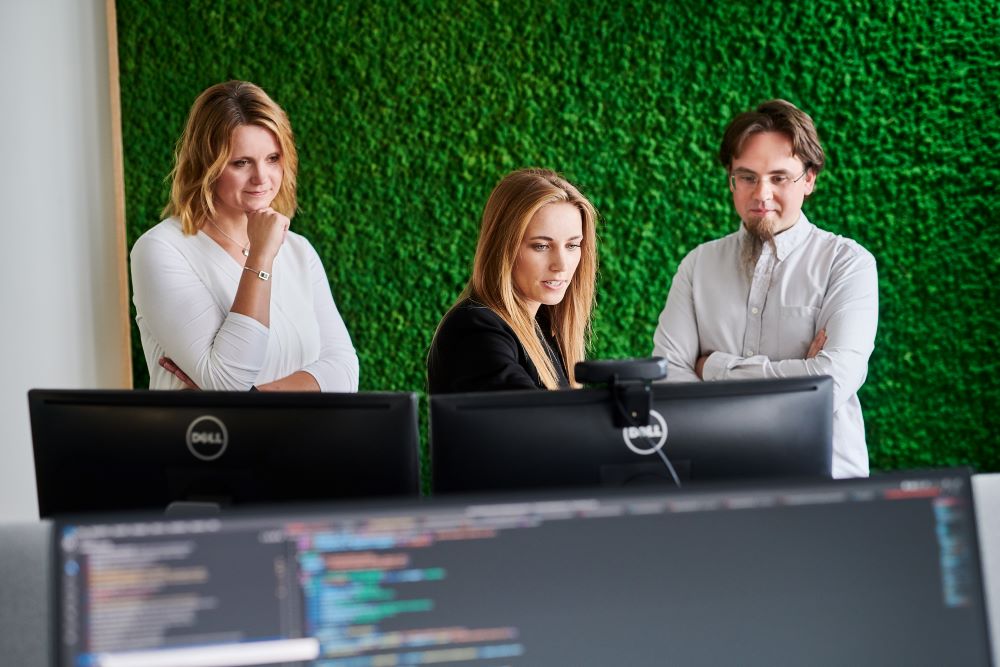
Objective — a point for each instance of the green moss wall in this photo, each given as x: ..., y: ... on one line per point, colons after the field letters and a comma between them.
x: 408, y: 113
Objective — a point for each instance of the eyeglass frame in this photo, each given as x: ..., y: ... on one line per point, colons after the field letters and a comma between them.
x: 777, y: 186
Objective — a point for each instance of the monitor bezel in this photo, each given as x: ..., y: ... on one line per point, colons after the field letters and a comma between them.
x: 333, y: 509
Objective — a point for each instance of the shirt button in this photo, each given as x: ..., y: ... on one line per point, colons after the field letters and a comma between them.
x: 755, y: 310
x: 748, y: 352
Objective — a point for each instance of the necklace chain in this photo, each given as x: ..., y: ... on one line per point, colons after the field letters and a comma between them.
x: 244, y: 248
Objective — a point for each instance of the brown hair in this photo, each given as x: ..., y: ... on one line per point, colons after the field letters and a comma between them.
x: 774, y: 116
x: 204, y: 148
x: 509, y: 209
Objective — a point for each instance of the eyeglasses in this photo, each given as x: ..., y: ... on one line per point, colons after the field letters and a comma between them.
x: 747, y: 181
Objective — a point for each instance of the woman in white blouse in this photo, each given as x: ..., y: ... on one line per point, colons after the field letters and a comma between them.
x: 226, y: 297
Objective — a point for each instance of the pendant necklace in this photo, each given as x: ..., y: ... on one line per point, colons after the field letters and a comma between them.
x: 245, y: 248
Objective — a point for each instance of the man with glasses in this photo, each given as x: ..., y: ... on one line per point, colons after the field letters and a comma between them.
x: 780, y: 297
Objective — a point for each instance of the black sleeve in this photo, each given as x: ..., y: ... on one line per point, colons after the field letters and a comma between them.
x: 474, y: 350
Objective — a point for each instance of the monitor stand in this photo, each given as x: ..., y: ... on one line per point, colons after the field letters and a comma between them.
x: 183, y: 508
x: 634, y: 474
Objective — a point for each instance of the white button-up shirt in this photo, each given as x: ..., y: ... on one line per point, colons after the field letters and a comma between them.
x: 762, y: 327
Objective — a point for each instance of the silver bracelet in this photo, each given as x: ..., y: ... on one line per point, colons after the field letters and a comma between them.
x: 263, y: 275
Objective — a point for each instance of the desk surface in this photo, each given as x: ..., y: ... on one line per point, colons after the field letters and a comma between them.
x: 26, y: 588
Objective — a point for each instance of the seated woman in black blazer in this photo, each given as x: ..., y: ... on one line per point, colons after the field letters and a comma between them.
x: 523, y: 319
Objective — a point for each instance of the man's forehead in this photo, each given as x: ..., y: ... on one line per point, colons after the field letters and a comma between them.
x: 776, y: 170
x: 767, y: 152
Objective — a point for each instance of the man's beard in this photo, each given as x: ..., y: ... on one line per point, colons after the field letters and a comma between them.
x: 760, y: 231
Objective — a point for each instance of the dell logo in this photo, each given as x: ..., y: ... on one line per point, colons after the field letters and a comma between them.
x: 198, y: 438
x: 207, y: 438
x: 652, y: 431
x: 651, y: 437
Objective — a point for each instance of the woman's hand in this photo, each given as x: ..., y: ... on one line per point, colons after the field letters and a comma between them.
x: 266, y: 230
x: 168, y: 365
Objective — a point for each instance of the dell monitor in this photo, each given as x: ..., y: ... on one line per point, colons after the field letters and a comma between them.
x: 880, y: 571
x: 122, y: 450
x: 707, y: 430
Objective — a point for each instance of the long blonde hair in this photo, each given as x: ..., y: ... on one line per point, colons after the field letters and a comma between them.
x: 512, y: 204
x: 203, y: 150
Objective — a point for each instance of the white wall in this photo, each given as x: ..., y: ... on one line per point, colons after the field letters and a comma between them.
x: 59, y: 287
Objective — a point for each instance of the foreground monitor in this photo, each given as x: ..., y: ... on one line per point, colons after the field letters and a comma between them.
x: 881, y: 571
x: 121, y: 450
x: 708, y: 430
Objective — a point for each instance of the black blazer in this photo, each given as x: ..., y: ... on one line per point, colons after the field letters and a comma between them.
x: 475, y: 350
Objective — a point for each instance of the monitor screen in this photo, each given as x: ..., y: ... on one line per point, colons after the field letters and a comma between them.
x: 708, y: 431
x: 881, y: 571
x: 119, y: 450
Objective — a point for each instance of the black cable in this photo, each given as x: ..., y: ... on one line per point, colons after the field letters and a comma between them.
x: 648, y: 439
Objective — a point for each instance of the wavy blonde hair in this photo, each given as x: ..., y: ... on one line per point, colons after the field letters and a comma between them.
x: 512, y: 204
x: 203, y: 150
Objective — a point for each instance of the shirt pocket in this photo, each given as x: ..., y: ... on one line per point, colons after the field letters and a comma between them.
x: 796, y: 330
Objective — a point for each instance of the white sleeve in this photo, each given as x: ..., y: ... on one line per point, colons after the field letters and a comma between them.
x: 676, y: 336
x: 218, y: 350
x: 850, y: 317
x: 337, y: 366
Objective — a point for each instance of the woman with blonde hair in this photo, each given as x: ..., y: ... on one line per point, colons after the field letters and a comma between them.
x: 226, y: 297
x: 523, y: 319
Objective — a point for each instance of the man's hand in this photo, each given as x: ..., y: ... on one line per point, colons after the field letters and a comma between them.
x: 173, y: 368
x: 699, y: 365
x: 818, y: 342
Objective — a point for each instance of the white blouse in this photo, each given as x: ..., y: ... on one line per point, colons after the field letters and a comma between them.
x: 184, y: 287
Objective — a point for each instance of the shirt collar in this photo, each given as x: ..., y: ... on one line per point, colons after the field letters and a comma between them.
x: 788, y: 240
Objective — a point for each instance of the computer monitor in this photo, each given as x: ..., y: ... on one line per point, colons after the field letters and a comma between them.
x: 881, y: 571
x: 120, y: 450
x: 708, y: 431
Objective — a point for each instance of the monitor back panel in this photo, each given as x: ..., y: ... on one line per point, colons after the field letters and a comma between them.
x: 105, y: 451
x: 859, y: 572
x: 709, y: 431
